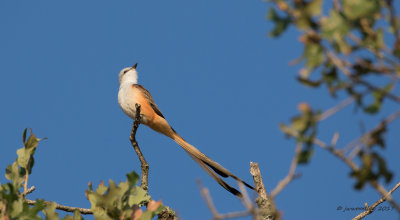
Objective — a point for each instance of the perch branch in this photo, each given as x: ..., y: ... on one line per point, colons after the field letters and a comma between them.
x: 144, y: 165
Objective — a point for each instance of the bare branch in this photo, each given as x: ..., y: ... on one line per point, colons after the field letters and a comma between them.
x: 266, y: 206
x: 334, y: 139
x: 258, y: 183
x: 205, y: 193
x: 358, y: 142
x: 339, y: 63
x: 246, y: 199
x: 283, y: 183
x: 30, y: 190
x: 335, y: 109
x: 63, y: 207
x: 144, y: 165
x: 370, y: 209
x: 336, y: 5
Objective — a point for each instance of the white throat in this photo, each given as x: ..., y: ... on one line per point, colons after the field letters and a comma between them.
x: 128, y: 76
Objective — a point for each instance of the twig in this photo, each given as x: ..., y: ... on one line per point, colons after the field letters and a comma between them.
x: 393, y: 20
x: 335, y: 109
x: 246, y: 199
x: 63, y: 207
x: 370, y: 209
x: 339, y: 63
x: 30, y: 190
x: 144, y: 165
x: 358, y: 141
x: 334, y: 139
x: 258, y: 182
x: 283, y: 183
x: 26, y: 182
x: 205, y: 193
x: 339, y: 154
x: 336, y: 5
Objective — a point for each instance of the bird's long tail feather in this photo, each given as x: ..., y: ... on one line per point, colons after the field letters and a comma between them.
x: 207, y: 164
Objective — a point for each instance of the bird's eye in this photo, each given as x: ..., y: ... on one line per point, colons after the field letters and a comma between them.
x: 125, y: 71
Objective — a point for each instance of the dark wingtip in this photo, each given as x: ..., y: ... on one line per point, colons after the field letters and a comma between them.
x: 134, y: 66
x: 236, y: 192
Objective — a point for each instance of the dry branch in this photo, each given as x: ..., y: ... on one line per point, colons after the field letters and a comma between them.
x: 283, y: 183
x: 144, y: 165
x: 63, y: 207
x: 370, y: 209
x: 265, y: 203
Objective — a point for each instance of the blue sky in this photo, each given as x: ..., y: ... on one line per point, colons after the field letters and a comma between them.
x: 216, y: 76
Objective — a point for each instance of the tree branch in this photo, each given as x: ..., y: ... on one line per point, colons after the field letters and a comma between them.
x: 335, y: 109
x: 63, y: 207
x: 144, y: 165
x: 283, y: 183
x: 339, y: 154
x: 205, y: 193
x: 339, y: 64
x: 371, y: 208
x: 30, y: 190
x: 265, y: 203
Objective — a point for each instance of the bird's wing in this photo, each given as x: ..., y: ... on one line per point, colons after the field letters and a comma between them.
x: 150, y: 98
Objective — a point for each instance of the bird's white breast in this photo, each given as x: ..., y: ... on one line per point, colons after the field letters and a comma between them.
x: 127, y: 100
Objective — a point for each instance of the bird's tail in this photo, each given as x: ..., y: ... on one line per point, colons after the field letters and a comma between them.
x: 209, y: 165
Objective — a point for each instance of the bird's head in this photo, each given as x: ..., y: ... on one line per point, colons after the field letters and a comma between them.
x: 128, y: 75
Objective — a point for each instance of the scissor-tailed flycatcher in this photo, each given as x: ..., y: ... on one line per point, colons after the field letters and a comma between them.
x: 131, y: 93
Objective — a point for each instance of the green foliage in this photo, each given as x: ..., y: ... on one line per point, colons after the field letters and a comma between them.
x: 120, y: 201
x: 116, y: 201
x: 281, y: 23
x: 373, y: 167
x: 12, y: 201
x: 357, y: 9
x: 378, y: 96
x: 304, y: 128
x: 343, y: 47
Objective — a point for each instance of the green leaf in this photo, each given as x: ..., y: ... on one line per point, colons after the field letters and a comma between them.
x: 281, y: 23
x: 288, y: 130
x: 313, y: 53
x: 24, y: 135
x: 50, y: 212
x: 313, y: 8
x: 300, y: 123
x: 373, y: 108
x: 25, y: 154
x: 133, y: 178
x: 334, y: 26
x: 15, y: 175
x: 116, y: 201
x: 305, y: 155
x: 308, y: 82
x: 355, y: 9
x: 382, y: 168
x: 139, y: 197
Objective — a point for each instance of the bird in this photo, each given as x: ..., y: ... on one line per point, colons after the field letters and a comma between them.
x: 131, y: 93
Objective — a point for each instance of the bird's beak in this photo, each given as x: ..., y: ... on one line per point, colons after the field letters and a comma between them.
x: 134, y: 66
